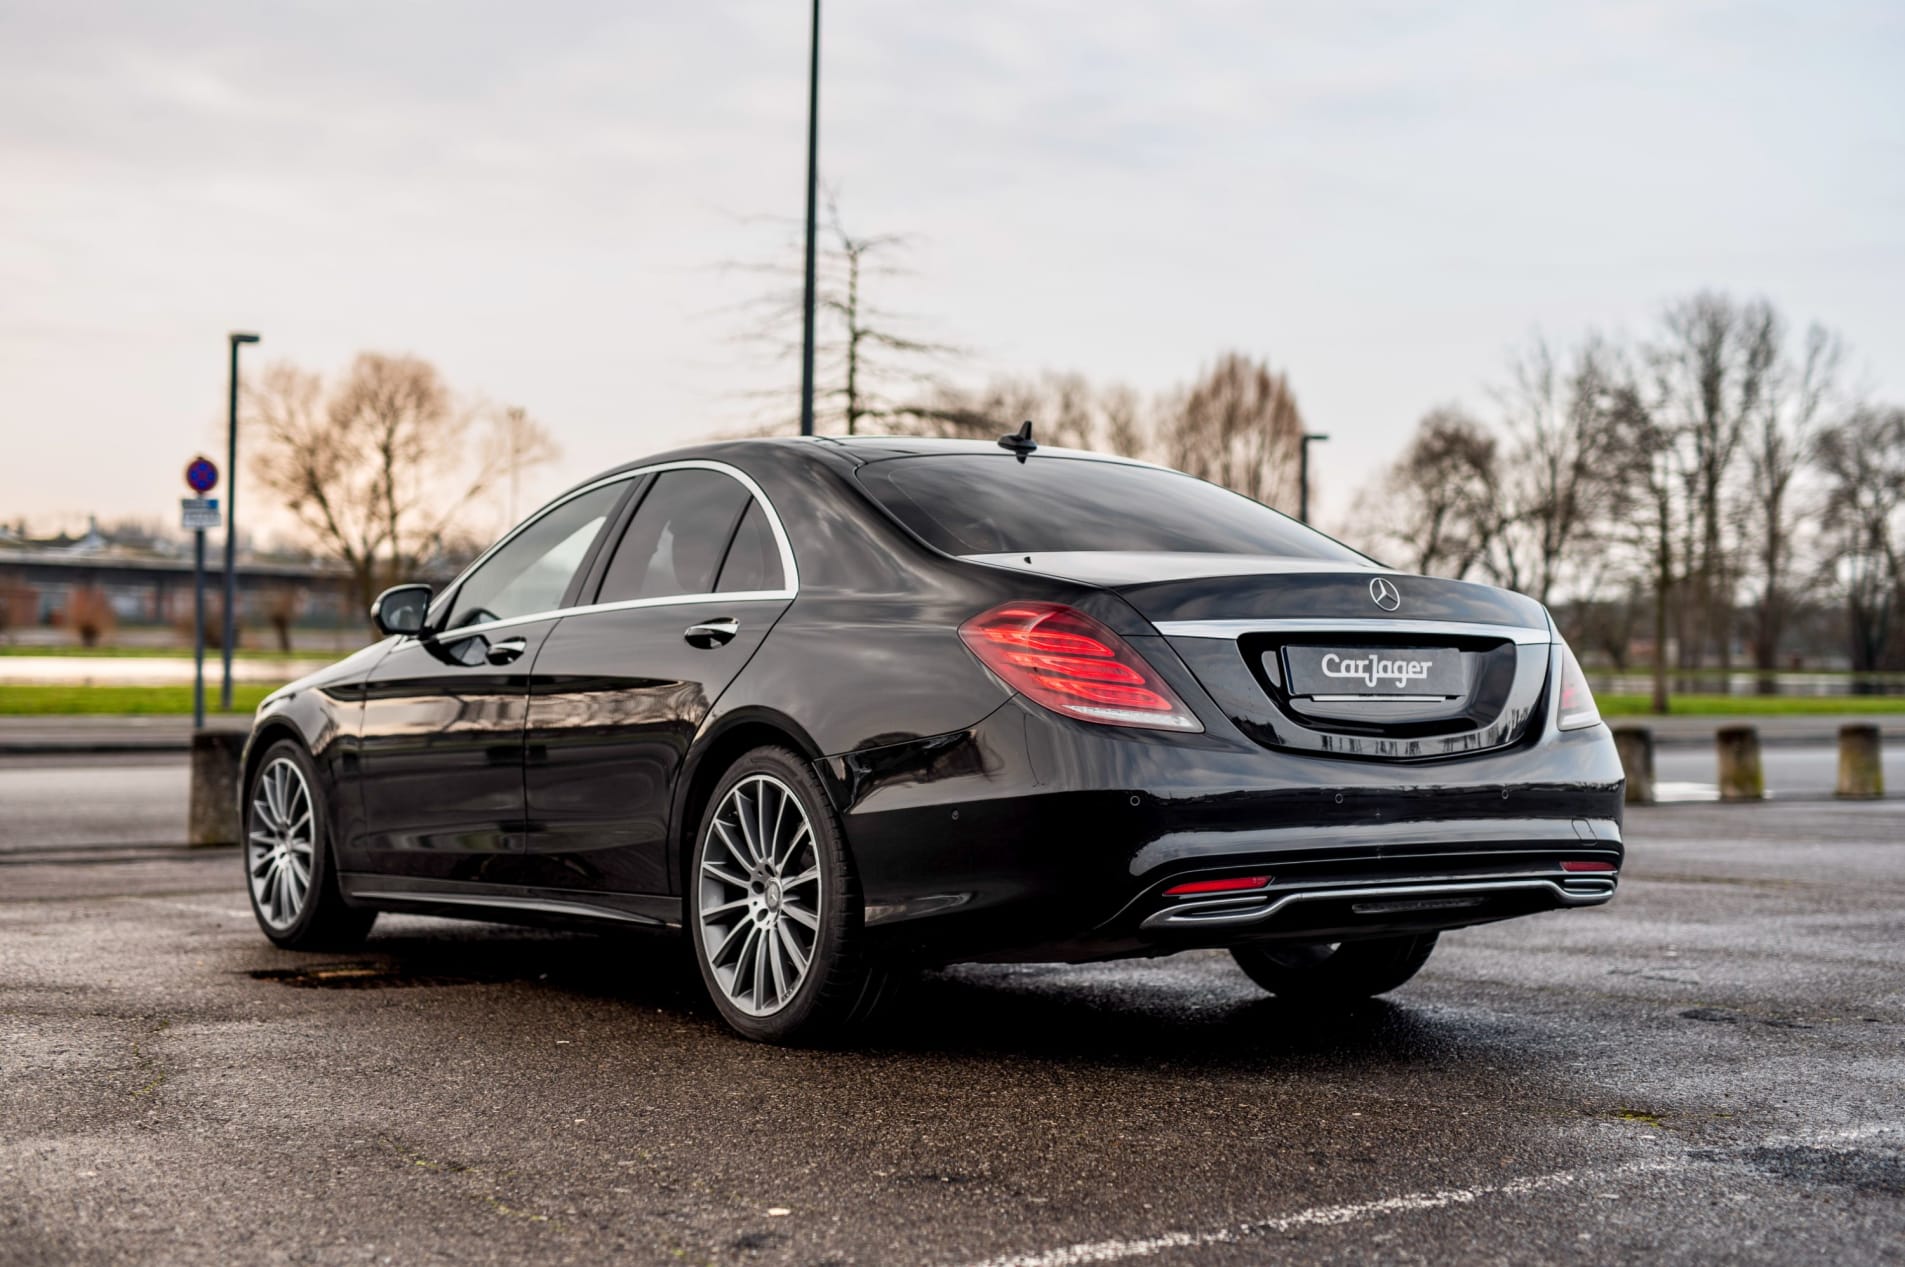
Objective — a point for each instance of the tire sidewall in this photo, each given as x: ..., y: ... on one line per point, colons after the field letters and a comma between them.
x: 840, y: 914
x: 319, y: 893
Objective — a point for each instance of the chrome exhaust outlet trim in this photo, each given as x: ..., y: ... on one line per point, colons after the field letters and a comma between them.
x: 1231, y: 911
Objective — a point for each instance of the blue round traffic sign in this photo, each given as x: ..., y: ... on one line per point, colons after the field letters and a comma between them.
x: 202, y: 475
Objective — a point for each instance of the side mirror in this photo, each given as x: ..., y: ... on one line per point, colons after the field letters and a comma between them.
x: 400, y: 609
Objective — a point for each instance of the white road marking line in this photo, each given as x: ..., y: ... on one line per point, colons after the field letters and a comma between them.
x: 1319, y: 1216
x: 1090, y: 1252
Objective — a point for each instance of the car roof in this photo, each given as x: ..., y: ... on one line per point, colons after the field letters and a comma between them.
x: 848, y: 450
x: 875, y: 448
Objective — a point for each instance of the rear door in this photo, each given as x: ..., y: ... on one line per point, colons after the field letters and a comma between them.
x: 441, y: 770
x: 698, y: 573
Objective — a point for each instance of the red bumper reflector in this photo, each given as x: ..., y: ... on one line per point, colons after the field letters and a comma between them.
x: 1218, y: 886
x: 1572, y: 865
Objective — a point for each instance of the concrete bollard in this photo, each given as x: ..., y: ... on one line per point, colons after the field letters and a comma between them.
x: 1636, y: 747
x: 213, y: 816
x: 1861, y: 772
x: 1741, y: 776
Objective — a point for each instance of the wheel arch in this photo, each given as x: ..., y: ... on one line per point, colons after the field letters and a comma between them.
x: 268, y: 732
x: 719, y: 747
x: 315, y: 738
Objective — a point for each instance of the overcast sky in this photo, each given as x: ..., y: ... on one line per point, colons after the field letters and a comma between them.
x: 1379, y: 198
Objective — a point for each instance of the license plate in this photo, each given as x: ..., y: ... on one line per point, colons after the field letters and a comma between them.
x: 1379, y: 672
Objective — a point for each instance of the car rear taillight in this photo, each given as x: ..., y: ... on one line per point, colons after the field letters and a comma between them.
x: 1584, y: 865
x: 1576, y: 709
x: 1059, y: 657
x: 1235, y: 884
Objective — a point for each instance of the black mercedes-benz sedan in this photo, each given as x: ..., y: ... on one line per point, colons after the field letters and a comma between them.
x: 836, y: 708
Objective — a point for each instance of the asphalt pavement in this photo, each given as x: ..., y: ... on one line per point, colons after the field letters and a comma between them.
x: 1708, y: 1070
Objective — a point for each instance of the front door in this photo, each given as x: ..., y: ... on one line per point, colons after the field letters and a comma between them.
x: 440, y: 770
x: 698, y: 577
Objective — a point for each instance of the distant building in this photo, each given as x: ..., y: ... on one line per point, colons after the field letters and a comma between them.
x: 148, y: 581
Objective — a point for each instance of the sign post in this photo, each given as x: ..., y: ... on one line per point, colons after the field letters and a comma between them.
x: 197, y: 514
x: 229, y: 642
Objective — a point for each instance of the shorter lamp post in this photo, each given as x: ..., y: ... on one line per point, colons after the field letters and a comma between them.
x: 231, y: 525
x: 1303, y: 474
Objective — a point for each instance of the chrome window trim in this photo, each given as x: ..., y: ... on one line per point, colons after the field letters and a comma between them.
x: 790, y: 571
x: 1349, y: 627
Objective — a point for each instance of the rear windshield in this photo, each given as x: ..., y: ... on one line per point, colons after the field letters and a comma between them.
x: 980, y: 504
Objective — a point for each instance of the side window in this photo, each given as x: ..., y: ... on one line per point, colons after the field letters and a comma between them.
x: 530, y: 574
x: 674, y: 543
x: 754, y: 560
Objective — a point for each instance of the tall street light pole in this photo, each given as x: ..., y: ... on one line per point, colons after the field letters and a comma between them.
x: 813, y: 182
x: 1303, y: 474
x: 231, y: 526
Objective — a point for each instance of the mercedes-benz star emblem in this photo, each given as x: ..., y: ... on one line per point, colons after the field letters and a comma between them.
x: 1384, y: 593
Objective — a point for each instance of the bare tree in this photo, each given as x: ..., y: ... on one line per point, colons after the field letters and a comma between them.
x: 1711, y: 364
x: 89, y: 614
x: 1863, y: 460
x: 1066, y: 409
x: 1642, y: 483
x: 871, y: 365
x: 19, y: 607
x: 1442, y: 498
x: 1127, y: 426
x: 283, y: 604
x: 518, y: 443
x: 1778, y: 444
x: 1555, y: 475
x: 1238, y: 425
x: 378, y: 470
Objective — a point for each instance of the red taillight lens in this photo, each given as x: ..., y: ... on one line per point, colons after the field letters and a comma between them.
x: 1233, y: 885
x: 1579, y: 865
x: 1575, y: 708
x: 1059, y: 657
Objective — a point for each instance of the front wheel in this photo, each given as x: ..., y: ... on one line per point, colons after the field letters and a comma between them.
x: 774, y: 908
x: 288, y: 858
x: 1334, y: 972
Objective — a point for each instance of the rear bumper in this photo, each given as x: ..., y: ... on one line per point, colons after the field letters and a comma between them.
x: 1309, y: 909
x: 1035, y: 837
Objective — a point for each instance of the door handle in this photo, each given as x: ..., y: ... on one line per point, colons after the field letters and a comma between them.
x: 712, y: 633
x: 506, y: 651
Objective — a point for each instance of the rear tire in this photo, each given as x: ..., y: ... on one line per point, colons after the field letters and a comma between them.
x: 1334, y: 972
x: 289, y: 875
x: 773, y: 906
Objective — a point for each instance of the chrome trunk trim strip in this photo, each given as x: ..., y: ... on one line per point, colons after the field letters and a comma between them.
x: 1349, y: 628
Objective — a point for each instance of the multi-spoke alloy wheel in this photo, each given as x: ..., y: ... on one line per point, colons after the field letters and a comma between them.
x: 288, y: 857
x: 280, y: 843
x: 760, y: 895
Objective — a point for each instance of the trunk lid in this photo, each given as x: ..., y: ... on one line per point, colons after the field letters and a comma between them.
x: 1328, y: 658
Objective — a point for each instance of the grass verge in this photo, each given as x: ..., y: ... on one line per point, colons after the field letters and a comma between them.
x: 59, y: 701
x: 1752, y: 705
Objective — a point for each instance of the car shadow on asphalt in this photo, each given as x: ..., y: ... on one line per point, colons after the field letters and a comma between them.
x: 1144, y: 1013
x: 1193, y: 1011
